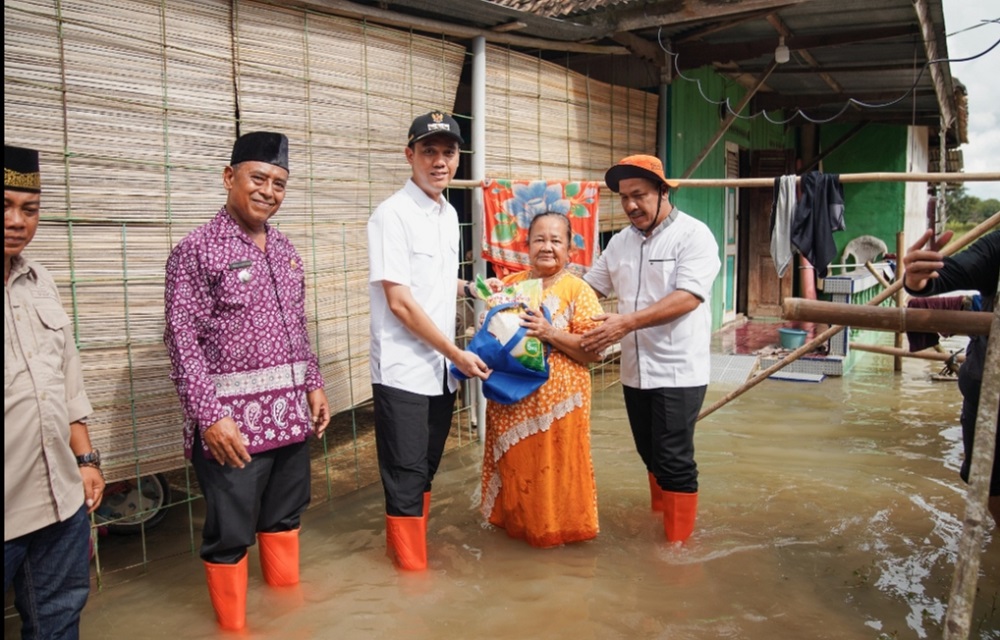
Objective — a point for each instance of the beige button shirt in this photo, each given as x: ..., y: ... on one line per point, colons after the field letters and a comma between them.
x: 43, y: 395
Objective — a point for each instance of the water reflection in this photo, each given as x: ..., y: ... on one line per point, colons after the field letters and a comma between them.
x: 828, y: 510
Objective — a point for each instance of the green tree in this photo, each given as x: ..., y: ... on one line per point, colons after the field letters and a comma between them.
x: 963, y: 207
x: 988, y: 208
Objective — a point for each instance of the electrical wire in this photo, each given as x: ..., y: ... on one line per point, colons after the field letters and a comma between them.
x: 798, y: 112
x: 982, y: 23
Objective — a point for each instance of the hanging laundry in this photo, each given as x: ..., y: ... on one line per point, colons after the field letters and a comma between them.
x: 510, y: 205
x: 818, y: 213
x: 782, y: 210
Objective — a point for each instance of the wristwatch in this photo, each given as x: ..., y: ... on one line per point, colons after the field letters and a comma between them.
x: 92, y: 458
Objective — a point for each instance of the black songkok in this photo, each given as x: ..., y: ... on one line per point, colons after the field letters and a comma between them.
x: 261, y: 146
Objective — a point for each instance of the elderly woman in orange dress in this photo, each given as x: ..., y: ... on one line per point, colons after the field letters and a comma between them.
x: 538, y: 477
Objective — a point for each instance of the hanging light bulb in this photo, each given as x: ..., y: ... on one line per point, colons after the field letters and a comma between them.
x: 781, y: 54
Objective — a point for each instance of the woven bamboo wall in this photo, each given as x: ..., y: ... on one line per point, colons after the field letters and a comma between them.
x: 547, y: 122
x: 133, y: 106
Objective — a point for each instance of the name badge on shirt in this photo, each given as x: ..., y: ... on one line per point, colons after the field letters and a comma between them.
x: 242, y: 264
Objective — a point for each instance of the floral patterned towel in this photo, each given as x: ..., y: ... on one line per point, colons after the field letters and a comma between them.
x: 509, y: 206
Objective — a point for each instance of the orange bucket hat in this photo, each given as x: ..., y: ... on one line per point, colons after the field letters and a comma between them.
x: 638, y: 166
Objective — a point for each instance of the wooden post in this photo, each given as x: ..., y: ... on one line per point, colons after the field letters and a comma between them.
x: 957, y: 620
x: 897, y: 364
x: 728, y: 121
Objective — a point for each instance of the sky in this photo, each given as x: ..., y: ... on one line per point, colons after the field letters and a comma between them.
x: 982, y: 152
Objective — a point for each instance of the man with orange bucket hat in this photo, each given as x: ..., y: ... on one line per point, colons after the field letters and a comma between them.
x: 662, y: 267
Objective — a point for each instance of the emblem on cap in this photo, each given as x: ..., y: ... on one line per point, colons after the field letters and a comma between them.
x: 433, y: 123
x: 24, y: 181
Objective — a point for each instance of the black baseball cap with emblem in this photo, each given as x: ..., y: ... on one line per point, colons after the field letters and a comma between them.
x: 434, y: 123
x: 261, y: 146
x: 20, y: 170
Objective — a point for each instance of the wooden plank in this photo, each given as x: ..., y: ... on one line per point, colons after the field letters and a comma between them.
x: 944, y: 97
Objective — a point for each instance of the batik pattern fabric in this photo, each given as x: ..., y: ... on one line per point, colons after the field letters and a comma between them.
x: 236, y: 335
x: 538, y: 476
x: 510, y: 205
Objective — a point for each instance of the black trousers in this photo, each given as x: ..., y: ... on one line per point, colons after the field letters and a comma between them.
x: 267, y: 495
x: 410, y: 434
x: 662, y: 422
x: 970, y: 410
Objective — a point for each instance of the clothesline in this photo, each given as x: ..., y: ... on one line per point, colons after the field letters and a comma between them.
x: 845, y: 178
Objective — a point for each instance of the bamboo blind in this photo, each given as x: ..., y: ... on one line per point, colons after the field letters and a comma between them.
x: 545, y: 121
x: 133, y: 103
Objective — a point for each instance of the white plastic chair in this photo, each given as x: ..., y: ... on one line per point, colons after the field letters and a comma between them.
x: 861, y: 250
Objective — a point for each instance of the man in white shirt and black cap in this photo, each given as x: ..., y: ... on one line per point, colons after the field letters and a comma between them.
x: 413, y: 243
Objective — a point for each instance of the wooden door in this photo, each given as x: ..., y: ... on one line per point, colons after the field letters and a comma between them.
x: 765, y: 291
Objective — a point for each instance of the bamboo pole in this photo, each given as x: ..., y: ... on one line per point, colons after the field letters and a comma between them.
x: 973, y: 234
x: 845, y: 178
x: 897, y: 364
x: 903, y: 353
x: 878, y: 276
x: 898, y: 319
x: 854, y: 178
x: 729, y: 120
x: 963, y: 586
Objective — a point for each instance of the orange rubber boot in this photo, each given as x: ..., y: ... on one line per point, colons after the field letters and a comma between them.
x: 679, y: 511
x: 655, y: 493
x: 279, y: 557
x: 227, y: 588
x: 406, y: 541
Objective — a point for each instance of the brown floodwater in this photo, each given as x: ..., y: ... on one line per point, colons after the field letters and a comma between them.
x: 827, y: 510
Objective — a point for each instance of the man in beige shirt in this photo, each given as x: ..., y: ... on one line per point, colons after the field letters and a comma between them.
x: 52, y: 475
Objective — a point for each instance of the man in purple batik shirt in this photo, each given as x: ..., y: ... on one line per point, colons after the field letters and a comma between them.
x: 247, y: 378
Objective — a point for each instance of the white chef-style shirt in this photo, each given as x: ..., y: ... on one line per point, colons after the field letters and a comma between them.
x: 681, y: 253
x: 412, y: 241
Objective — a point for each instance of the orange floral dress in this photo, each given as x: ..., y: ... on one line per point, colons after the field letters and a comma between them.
x: 538, y: 476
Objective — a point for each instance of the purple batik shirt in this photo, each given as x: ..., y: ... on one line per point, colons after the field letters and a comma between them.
x: 236, y: 335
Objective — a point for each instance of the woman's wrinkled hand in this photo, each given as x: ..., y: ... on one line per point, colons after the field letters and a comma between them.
x: 537, y: 325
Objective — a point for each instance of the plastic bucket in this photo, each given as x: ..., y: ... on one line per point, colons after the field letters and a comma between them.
x: 792, y: 338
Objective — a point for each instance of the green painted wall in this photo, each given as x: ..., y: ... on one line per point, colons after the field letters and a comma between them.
x: 692, y: 123
x: 874, y: 208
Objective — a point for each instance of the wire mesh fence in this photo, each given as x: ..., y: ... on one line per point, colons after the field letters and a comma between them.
x: 134, y: 104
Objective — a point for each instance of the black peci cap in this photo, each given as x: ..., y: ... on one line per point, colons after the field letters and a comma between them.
x: 20, y: 170
x: 261, y: 146
x: 433, y: 123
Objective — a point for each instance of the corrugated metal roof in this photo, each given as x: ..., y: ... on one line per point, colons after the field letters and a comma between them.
x: 871, y: 51
x: 562, y: 8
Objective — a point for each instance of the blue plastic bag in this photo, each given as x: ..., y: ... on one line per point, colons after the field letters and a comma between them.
x: 510, y: 380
